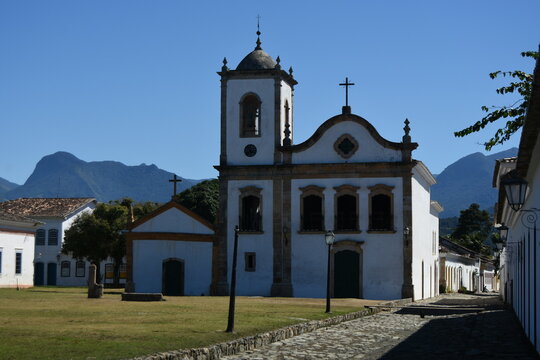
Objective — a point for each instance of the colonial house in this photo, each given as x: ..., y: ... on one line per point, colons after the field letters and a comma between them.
x: 517, y: 212
x: 465, y: 269
x: 16, y: 250
x: 51, y: 267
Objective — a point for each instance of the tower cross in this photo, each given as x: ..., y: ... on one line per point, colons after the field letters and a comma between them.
x: 175, y: 180
x: 346, y: 84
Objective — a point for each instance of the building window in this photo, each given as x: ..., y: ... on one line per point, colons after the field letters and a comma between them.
x: 250, y: 113
x: 40, y: 237
x: 346, y: 146
x: 381, y: 216
x: 109, y: 271
x: 53, y: 237
x: 250, y: 261
x: 311, y: 208
x: 80, y: 268
x: 346, y: 208
x: 18, y: 262
x: 250, y: 209
x: 123, y: 271
x: 65, y: 269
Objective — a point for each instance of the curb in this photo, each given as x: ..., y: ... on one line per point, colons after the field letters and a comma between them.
x: 233, y: 347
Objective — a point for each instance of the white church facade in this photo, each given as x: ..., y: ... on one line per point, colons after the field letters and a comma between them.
x: 284, y: 197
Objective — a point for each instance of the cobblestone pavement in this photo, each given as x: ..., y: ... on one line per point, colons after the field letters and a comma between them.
x: 447, y: 327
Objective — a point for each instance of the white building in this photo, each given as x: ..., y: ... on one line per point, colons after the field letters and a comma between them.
x: 520, y: 211
x: 464, y: 269
x: 171, y: 251
x: 346, y: 177
x: 51, y: 267
x: 16, y: 250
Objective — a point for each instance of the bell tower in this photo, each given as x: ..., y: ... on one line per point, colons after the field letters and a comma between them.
x: 256, y: 109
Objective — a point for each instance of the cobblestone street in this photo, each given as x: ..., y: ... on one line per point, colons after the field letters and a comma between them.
x: 448, y: 327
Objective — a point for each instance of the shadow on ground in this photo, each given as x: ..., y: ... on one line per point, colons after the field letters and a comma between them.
x: 465, y: 334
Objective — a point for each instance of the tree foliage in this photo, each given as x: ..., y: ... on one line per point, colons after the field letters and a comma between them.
x: 98, y: 235
x: 202, y: 199
x: 514, y: 113
x: 473, y: 229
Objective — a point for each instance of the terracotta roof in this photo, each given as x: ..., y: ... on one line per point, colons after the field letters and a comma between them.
x: 5, y: 216
x: 44, y: 207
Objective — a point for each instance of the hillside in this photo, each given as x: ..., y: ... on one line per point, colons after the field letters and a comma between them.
x: 64, y: 175
x: 466, y: 181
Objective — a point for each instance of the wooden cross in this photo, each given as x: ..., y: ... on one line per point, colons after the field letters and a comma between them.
x: 346, y: 84
x: 175, y: 180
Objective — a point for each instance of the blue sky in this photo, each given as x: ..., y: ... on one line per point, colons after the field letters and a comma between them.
x: 135, y: 81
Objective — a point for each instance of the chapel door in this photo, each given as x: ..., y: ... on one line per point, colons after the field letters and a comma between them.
x: 51, y: 274
x: 39, y: 274
x: 346, y: 274
x: 173, y: 277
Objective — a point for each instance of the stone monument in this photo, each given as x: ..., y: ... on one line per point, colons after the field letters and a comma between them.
x: 95, y: 291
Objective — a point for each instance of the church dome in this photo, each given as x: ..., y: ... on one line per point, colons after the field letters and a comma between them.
x: 258, y: 59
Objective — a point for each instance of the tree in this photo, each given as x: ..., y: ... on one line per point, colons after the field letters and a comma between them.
x: 99, y: 235
x: 202, y: 199
x: 474, y: 227
x: 515, y: 113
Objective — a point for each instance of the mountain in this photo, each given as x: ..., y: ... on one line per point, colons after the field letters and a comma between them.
x: 6, y: 186
x: 64, y: 175
x: 467, y: 181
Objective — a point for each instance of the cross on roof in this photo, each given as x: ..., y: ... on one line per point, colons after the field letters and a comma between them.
x: 175, y: 180
x: 346, y: 84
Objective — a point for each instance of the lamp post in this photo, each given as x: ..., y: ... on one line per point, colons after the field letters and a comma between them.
x: 515, y: 188
x: 329, y: 238
x: 406, y: 232
x: 232, y: 298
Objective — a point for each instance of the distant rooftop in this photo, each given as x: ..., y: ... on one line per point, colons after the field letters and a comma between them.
x: 43, y: 207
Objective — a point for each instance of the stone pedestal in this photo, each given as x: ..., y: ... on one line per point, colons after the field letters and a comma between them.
x: 95, y: 291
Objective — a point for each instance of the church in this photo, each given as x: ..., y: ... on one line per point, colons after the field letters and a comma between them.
x: 281, y: 198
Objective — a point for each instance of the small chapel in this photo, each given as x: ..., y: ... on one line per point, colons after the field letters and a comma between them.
x: 280, y: 198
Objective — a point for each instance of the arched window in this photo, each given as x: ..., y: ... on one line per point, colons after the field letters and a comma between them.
x: 53, y: 237
x: 250, y: 113
x: 311, y: 208
x: 40, y: 237
x: 381, y: 217
x: 250, y: 209
x: 65, y: 269
x: 346, y: 208
x: 80, y: 269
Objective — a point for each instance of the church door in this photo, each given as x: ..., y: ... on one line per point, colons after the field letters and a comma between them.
x: 347, y: 274
x: 51, y: 274
x: 173, y: 277
x: 39, y: 274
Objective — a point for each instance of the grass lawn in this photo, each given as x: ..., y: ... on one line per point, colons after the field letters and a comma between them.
x: 62, y: 323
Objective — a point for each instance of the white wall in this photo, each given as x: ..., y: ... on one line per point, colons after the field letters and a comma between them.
x: 236, y: 89
x: 323, y: 151
x: 382, y: 253
x: 459, y: 271
x: 148, y: 255
x: 12, y: 242
x: 424, y: 224
x: 258, y: 282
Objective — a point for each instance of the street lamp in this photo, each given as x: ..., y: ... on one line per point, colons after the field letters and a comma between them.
x: 329, y: 238
x: 232, y: 298
x: 406, y: 232
x: 515, y: 188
